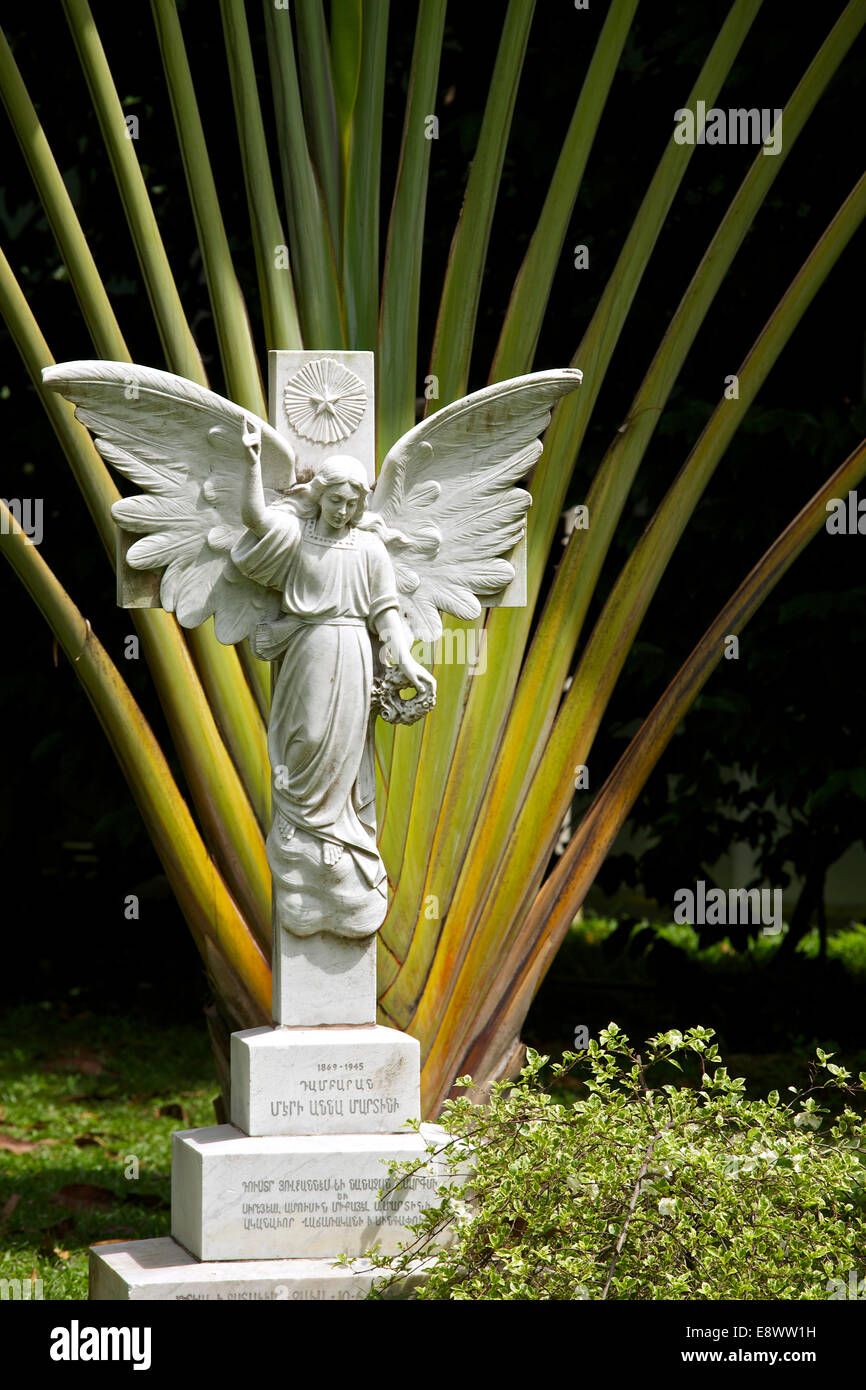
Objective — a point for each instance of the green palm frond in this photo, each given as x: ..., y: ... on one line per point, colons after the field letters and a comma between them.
x: 471, y: 801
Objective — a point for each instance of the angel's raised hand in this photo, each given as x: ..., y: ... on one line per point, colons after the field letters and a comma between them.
x: 252, y: 440
x: 186, y: 449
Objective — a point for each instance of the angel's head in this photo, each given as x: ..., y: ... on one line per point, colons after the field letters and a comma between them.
x: 339, y: 490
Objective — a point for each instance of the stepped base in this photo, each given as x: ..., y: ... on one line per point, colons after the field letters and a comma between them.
x: 141, y: 1270
x: 324, y: 1080
x: 297, y: 1197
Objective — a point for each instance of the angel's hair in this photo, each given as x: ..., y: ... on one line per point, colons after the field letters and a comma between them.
x: 305, y: 498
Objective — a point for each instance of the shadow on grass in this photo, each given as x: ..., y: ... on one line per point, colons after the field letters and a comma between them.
x: 89, y: 1104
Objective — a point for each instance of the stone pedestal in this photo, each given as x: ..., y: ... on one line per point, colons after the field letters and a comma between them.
x: 323, y: 980
x: 324, y: 1080
x: 141, y: 1270
x: 304, y: 1196
x: 262, y: 1207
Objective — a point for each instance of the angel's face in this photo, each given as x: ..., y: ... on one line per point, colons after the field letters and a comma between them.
x: 339, y: 504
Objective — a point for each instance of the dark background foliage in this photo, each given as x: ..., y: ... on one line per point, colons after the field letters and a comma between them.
x: 786, y: 712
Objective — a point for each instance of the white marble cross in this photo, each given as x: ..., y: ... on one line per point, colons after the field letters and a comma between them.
x: 282, y: 533
x: 276, y: 532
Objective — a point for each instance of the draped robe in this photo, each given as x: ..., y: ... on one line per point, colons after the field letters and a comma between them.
x: 320, y: 734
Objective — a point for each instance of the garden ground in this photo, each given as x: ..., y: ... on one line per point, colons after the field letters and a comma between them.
x: 91, y: 1096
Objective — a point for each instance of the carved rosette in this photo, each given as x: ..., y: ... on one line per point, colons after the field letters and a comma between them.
x: 324, y: 401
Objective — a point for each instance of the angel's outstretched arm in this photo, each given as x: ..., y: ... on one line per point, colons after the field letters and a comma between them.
x: 254, y: 509
x: 397, y: 644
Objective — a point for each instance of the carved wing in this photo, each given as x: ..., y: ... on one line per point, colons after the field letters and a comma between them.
x: 448, y: 487
x: 182, y: 444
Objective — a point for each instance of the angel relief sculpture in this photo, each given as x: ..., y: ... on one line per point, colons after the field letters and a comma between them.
x: 328, y: 577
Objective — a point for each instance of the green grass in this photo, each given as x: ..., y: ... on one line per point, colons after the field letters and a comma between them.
x: 656, y: 974
x: 847, y: 944
x: 87, y: 1091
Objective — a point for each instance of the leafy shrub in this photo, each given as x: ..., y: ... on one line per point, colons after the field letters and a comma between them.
x: 848, y: 944
x: 642, y: 1189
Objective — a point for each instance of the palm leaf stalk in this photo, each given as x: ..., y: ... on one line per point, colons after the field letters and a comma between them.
x: 276, y: 287
x: 449, y: 371
x: 320, y: 109
x: 507, y: 630
x: 223, y: 679
x: 540, y: 813
x: 360, y: 239
x: 282, y: 329
x: 397, y: 358
x: 177, y: 341
x: 217, y: 925
x: 457, y: 797
x: 555, y: 906
x: 313, y: 255
x: 216, y: 791
x: 461, y: 291
x: 549, y: 657
x: 518, y: 337
x: 471, y: 801
x: 534, y: 707
x: 219, y: 794
x: 234, y: 334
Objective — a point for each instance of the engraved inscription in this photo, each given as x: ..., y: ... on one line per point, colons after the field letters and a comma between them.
x: 278, y: 1294
x: 318, y: 1203
x: 343, y: 1091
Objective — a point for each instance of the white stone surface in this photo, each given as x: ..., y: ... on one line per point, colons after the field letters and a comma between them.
x: 284, y: 367
x: 323, y: 980
x: 313, y: 571
x: 335, y: 582
x: 324, y: 1080
x: 149, y: 1270
x: 273, y: 1198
